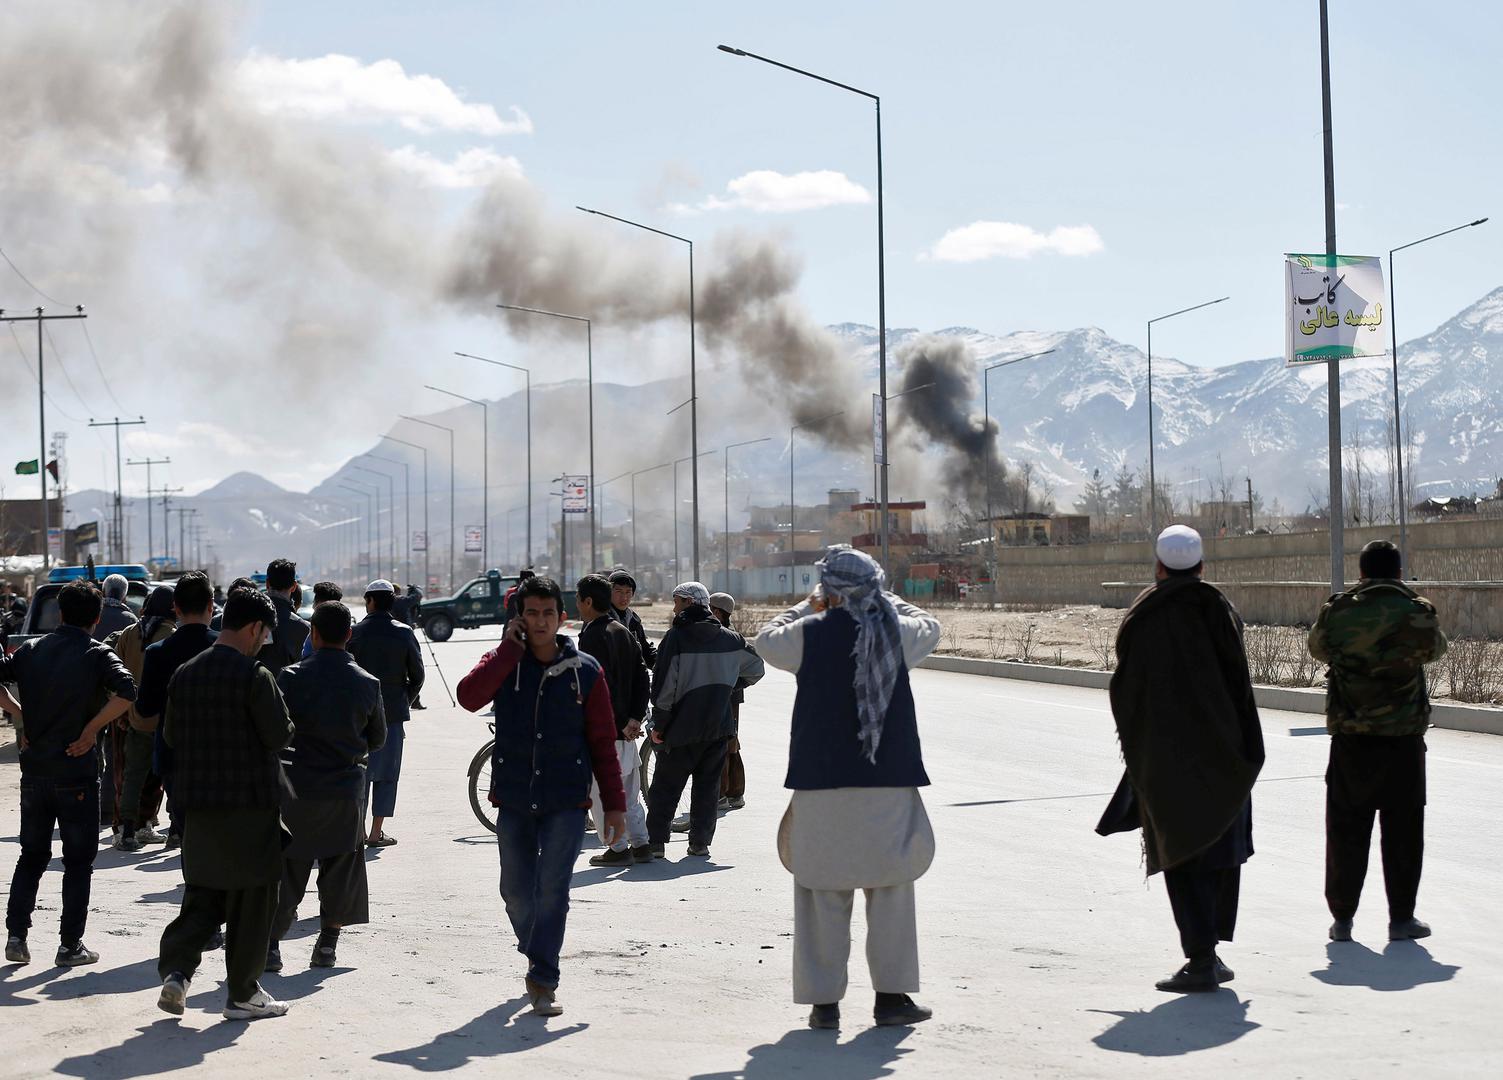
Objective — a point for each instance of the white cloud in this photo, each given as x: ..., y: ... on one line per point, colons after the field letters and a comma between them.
x: 1006, y: 240
x: 766, y: 192
x: 336, y: 87
x: 472, y: 168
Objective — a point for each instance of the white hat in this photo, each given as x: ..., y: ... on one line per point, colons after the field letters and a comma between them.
x: 693, y: 592
x: 380, y: 585
x: 1179, y: 547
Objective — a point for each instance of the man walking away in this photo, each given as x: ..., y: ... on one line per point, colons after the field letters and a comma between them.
x: 193, y: 607
x: 140, y: 788
x: 338, y: 720
x: 623, y: 590
x: 1183, y: 702
x: 1376, y: 638
x: 554, y: 731
x: 226, y: 723
x: 116, y: 614
x: 71, y: 688
x: 700, y: 664
x: 323, y: 592
x: 856, y: 820
x: 733, y: 779
x: 389, y: 651
x: 287, y: 637
x: 613, y: 647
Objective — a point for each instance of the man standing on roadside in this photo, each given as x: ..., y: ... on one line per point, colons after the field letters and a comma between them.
x: 338, y: 720
x: 287, y: 637
x: 389, y: 651
x: 1183, y: 702
x: 323, y: 592
x: 226, y: 724
x: 554, y: 731
x: 613, y: 647
x: 700, y: 664
x: 71, y: 688
x: 1377, y: 638
x: 140, y: 788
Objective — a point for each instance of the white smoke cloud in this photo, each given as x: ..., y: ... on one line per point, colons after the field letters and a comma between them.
x: 764, y: 191
x: 472, y: 168
x: 1008, y: 240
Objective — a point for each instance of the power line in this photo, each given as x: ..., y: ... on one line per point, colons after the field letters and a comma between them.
x: 32, y: 372
x: 26, y: 279
x: 100, y: 367
x: 63, y: 367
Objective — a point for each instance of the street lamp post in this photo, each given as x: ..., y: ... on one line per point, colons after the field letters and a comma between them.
x: 694, y: 454
x: 881, y: 267
x: 527, y: 555
x: 603, y: 485
x: 406, y: 509
x: 986, y: 427
x: 376, y: 489
x: 441, y: 427
x: 391, y: 512
x: 1397, y: 428
x: 590, y: 385
x: 792, y: 512
x: 369, y: 528
x: 726, y: 538
x: 695, y: 459
x: 485, y: 472
x: 1153, y: 491
x: 427, y: 536
x: 634, y: 565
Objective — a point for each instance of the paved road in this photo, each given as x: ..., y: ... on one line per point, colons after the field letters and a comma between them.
x: 1040, y: 940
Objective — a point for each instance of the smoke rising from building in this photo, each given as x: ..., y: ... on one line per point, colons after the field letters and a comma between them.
x: 942, y: 378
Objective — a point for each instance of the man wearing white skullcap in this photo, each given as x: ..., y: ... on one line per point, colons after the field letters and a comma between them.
x: 1183, y: 702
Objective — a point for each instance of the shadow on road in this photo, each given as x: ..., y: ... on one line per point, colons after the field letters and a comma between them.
x: 497, y: 1031
x: 801, y: 1051
x: 1403, y: 965
x: 304, y: 983
x: 658, y: 870
x: 161, y: 1047
x: 127, y: 979
x: 1182, y: 1025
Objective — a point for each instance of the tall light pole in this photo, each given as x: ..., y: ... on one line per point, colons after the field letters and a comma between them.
x: 695, y: 469
x: 726, y: 537
x: 149, y: 462
x: 639, y: 472
x: 1398, y: 440
x: 1333, y: 368
x: 441, y: 427
x: 590, y: 385
x: 406, y: 509
x: 527, y: 555
x: 375, y: 493
x: 370, y: 543
x: 881, y: 266
x: 694, y: 454
x: 603, y: 485
x: 427, y: 536
x: 1153, y: 490
x: 986, y: 427
x: 485, y: 472
x: 792, y: 512
x: 391, y: 511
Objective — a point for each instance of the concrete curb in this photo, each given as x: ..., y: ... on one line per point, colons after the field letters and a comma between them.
x: 1488, y: 721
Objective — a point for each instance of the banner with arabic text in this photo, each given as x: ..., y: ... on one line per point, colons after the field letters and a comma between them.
x: 1333, y: 308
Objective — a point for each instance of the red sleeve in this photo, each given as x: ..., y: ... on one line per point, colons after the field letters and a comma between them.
x: 479, y: 688
x: 600, y: 730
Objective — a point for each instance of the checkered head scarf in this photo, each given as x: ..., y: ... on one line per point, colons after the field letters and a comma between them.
x: 857, y: 579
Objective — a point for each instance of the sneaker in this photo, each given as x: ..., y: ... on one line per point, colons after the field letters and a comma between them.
x: 899, y: 1010
x: 681, y: 823
x: 324, y: 954
x: 609, y: 857
x: 126, y: 842
x: 659, y: 851
x: 16, y: 951
x: 75, y: 955
x: 699, y: 850
x: 174, y: 841
x: 723, y: 803
x: 544, y: 1000
x: 381, y: 839
x: 1224, y: 974
x: 260, y: 1005
x: 1407, y: 929
x: 642, y: 853
x: 215, y: 942
x: 147, y: 835
x: 174, y: 993
x: 274, y: 957
x: 1341, y: 930
x: 735, y: 802
x: 825, y: 1016
x: 1196, y: 977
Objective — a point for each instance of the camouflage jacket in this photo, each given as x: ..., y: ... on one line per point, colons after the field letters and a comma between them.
x: 1377, y: 638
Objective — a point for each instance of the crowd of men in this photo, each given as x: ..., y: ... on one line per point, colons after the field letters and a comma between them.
x: 273, y: 739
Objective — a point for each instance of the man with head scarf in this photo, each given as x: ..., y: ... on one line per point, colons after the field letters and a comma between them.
x: 699, y: 665
x: 1183, y: 702
x: 856, y: 820
x: 140, y: 791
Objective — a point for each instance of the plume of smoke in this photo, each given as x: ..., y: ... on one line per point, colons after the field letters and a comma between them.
x: 942, y: 375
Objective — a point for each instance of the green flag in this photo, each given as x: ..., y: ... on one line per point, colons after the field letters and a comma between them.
x: 26, y: 468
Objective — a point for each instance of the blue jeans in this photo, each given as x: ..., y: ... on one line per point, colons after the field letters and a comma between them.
x: 537, y: 864
x: 73, y: 805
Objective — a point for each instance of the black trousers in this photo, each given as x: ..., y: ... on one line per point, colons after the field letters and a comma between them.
x: 1380, y: 776
x: 247, y: 915
x: 1205, y: 906
x: 343, y: 892
x: 702, y: 763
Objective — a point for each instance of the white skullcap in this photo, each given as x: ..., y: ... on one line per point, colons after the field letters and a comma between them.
x: 1179, y: 547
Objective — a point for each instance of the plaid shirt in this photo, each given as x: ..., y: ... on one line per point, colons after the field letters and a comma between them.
x: 225, y: 722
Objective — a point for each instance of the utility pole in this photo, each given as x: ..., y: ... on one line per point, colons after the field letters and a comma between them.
x: 182, y: 537
x: 117, y: 526
x: 1333, y: 368
x: 41, y: 321
x: 150, y: 538
x: 166, y: 493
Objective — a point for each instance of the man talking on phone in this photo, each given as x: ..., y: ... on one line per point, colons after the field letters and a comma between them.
x: 554, y: 731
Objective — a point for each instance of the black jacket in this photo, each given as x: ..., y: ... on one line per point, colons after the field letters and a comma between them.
x: 389, y: 651
x: 633, y: 622
x: 287, y: 636
x: 700, y: 664
x: 337, y: 718
x: 614, y: 647
x: 63, y: 679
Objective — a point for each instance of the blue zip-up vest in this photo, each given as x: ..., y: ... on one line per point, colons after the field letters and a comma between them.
x: 541, y: 761
x: 825, y: 748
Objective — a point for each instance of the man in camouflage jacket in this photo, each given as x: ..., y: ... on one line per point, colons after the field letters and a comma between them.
x: 1376, y: 638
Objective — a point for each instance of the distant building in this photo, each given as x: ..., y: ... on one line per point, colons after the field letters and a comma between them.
x: 1035, y: 529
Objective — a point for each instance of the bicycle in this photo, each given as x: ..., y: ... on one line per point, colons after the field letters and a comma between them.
x: 480, y: 782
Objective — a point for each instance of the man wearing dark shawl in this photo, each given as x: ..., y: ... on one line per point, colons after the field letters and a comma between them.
x: 1183, y: 702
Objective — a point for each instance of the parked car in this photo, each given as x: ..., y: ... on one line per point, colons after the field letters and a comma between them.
x: 481, y: 602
